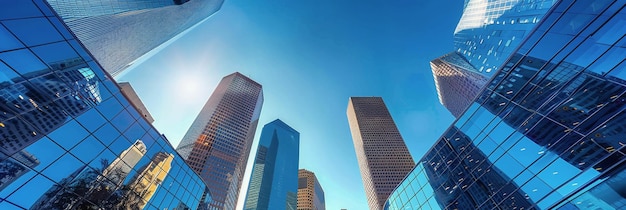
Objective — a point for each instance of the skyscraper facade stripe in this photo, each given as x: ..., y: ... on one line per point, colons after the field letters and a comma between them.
x: 274, y: 180
x: 69, y: 139
x: 218, y: 142
x: 546, y: 132
x: 117, y: 33
x: 381, y: 152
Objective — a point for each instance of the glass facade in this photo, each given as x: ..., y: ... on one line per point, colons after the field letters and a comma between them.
x: 68, y: 138
x: 219, y: 140
x: 547, y: 132
x: 487, y: 34
x: 457, y: 82
x: 119, y: 32
x: 274, y: 179
x: 381, y: 152
x: 490, y: 30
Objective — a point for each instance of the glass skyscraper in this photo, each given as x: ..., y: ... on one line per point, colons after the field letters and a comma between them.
x: 310, y: 192
x: 487, y: 34
x: 547, y: 132
x: 274, y: 180
x: 381, y: 152
x: 219, y: 140
x: 69, y: 139
x: 117, y: 32
x: 489, y: 30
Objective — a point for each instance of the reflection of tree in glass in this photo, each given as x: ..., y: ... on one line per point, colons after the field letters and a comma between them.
x: 85, y: 183
x: 16, y: 166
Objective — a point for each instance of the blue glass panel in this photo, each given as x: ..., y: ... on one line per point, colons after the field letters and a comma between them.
x: 88, y: 149
x: 91, y: 120
x: 23, y: 61
x: 31, y: 191
x: 56, y: 52
x: 33, y: 31
x: 69, y: 134
x: 6, y: 73
x: 609, y: 60
x: 536, y: 189
x: 135, y: 132
x: 612, y: 31
x: 549, y: 45
x: 122, y: 121
x: 9, y: 41
x: 109, y: 108
x: 587, y: 52
x: 107, y: 134
x: 62, y: 167
x: 19, y: 9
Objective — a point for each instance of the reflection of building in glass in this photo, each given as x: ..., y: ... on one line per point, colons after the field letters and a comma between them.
x: 119, y: 168
x: 383, y: 157
x: 218, y: 142
x: 274, y: 182
x: 13, y: 168
x: 73, y: 88
x: 64, y: 124
x: 550, y: 124
x: 457, y: 82
x: 119, y: 32
x: 144, y: 184
x: 310, y: 192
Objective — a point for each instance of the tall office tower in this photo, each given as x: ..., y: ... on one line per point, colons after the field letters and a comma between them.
x: 457, y: 82
x: 310, y: 192
x: 117, y: 33
x: 130, y: 93
x: 274, y: 180
x: 218, y: 142
x: 489, y: 30
x: 546, y: 132
x: 69, y: 139
x: 383, y: 157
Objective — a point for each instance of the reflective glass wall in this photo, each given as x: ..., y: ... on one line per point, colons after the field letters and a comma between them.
x: 68, y: 138
x: 547, y: 132
x: 274, y: 179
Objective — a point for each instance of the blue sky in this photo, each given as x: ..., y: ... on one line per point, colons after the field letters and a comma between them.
x: 310, y: 57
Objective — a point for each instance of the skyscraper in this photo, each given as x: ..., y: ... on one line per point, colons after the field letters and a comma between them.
x: 274, y: 180
x: 487, y: 34
x: 69, y: 139
x: 547, y: 130
x: 310, y: 192
x: 130, y: 93
x: 383, y: 157
x: 117, y: 33
x: 489, y: 30
x: 218, y: 142
x: 457, y: 82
